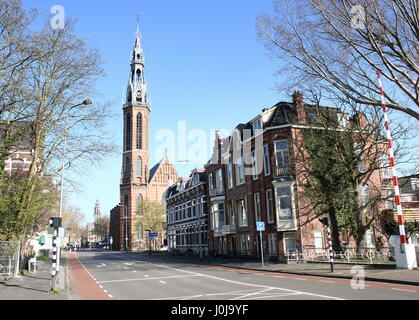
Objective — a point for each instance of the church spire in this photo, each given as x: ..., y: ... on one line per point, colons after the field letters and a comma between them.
x: 137, y: 88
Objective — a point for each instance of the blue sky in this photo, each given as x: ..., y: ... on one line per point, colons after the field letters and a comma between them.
x: 202, y: 58
x: 204, y: 65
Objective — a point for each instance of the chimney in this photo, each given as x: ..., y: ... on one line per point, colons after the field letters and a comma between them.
x: 360, y: 120
x: 298, y: 101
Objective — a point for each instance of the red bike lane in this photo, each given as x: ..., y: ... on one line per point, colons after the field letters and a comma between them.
x: 83, y: 286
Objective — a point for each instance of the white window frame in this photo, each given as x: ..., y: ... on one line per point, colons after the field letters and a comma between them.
x: 255, y: 169
x: 284, y: 152
x: 240, y: 213
x: 270, y: 206
x: 278, y: 199
x: 266, y: 160
x: 285, y: 240
x: 230, y: 180
x: 240, y: 179
x: 256, y: 201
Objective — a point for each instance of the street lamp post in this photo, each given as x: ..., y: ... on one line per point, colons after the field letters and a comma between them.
x: 60, y: 210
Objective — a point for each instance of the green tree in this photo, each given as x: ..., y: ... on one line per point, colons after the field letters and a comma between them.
x: 150, y: 216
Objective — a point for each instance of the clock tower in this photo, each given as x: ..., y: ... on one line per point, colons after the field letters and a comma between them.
x: 138, y: 181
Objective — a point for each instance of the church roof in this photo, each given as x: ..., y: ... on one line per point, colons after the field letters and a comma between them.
x: 154, y: 169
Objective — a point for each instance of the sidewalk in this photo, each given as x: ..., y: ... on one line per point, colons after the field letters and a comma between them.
x: 33, y: 286
x: 381, y: 273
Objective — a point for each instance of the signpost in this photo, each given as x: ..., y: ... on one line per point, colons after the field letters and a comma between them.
x: 260, y: 226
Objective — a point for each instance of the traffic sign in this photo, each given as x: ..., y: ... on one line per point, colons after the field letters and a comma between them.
x: 153, y: 235
x: 260, y: 226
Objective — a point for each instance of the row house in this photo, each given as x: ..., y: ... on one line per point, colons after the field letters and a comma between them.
x: 254, y: 176
x: 187, y: 219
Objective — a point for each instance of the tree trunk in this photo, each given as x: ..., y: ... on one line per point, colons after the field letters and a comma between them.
x: 334, y: 229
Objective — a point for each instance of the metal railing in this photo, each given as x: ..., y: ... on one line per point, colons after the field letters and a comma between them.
x: 9, y: 259
x: 346, y: 255
x: 283, y: 171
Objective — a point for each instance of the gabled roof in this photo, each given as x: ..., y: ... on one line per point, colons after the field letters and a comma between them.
x: 155, y: 169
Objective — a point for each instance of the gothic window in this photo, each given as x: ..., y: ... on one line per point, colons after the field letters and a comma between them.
x: 139, y: 166
x: 138, y: 79
x: 126, y: 206
x: 128, y: 132
x: 139, y: 201
x: 129, y: 96
x: 139, y: 131
x: 127, y: 168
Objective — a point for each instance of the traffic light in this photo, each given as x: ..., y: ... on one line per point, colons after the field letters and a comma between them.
x: 55, y: 222
x: 324, y: 221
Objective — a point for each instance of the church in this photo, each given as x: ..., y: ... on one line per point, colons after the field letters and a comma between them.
x: 139, y: 181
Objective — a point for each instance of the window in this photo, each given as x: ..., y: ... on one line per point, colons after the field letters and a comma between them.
x: 289, y: 242
x: 219, y: 179
x: 255, y: 169
x: 139, y: 131
x: 318, y: 241
x: 257, y: 127
x: 128, y: 132
x: 210, y: 182
x: 139, y: 201
x: 245, y: 244
x: 266, y: 160
x: 284, y: 209
x: 258, y: 216
x: 241, y: 210
x: 365, y: 195
x: 414, y: 183
x: 270, y: 206
x: 273, y: 247
x: 218, y: 215
x: 239, y: 171
x: 139, y: 167
x: 230, y: 175
x: 282, y: 154
x: 17, y: 164
x: 127, y: 168
x: 343, y: 120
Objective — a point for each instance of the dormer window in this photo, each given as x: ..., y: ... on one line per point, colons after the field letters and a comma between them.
x: 257, y: 126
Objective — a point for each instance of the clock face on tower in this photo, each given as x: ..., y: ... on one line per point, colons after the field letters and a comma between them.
x: 139, y: 94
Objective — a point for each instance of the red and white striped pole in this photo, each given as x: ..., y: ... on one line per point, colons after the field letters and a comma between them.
x: 393, y: 166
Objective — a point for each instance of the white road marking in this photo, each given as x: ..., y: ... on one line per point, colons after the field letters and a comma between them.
x: 144, y: 279
x: 274, y: 296
x: 235, y: 282
x: 251, y: 294
x: 298, y: 279
x: 326, y: 281
x: 403, y: 290
x: 191, y: 297
x: 162, y: 282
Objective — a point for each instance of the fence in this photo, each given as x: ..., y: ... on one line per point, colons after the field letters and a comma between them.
x: 9, y: 259
x: 346, y: 255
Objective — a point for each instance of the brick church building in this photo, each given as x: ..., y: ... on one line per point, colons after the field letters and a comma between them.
x: 139, y: 181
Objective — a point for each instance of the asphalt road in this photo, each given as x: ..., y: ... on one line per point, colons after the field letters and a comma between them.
x: 133, y: 276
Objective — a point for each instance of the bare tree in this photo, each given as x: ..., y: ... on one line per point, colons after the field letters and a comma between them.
x: 336, y: 46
